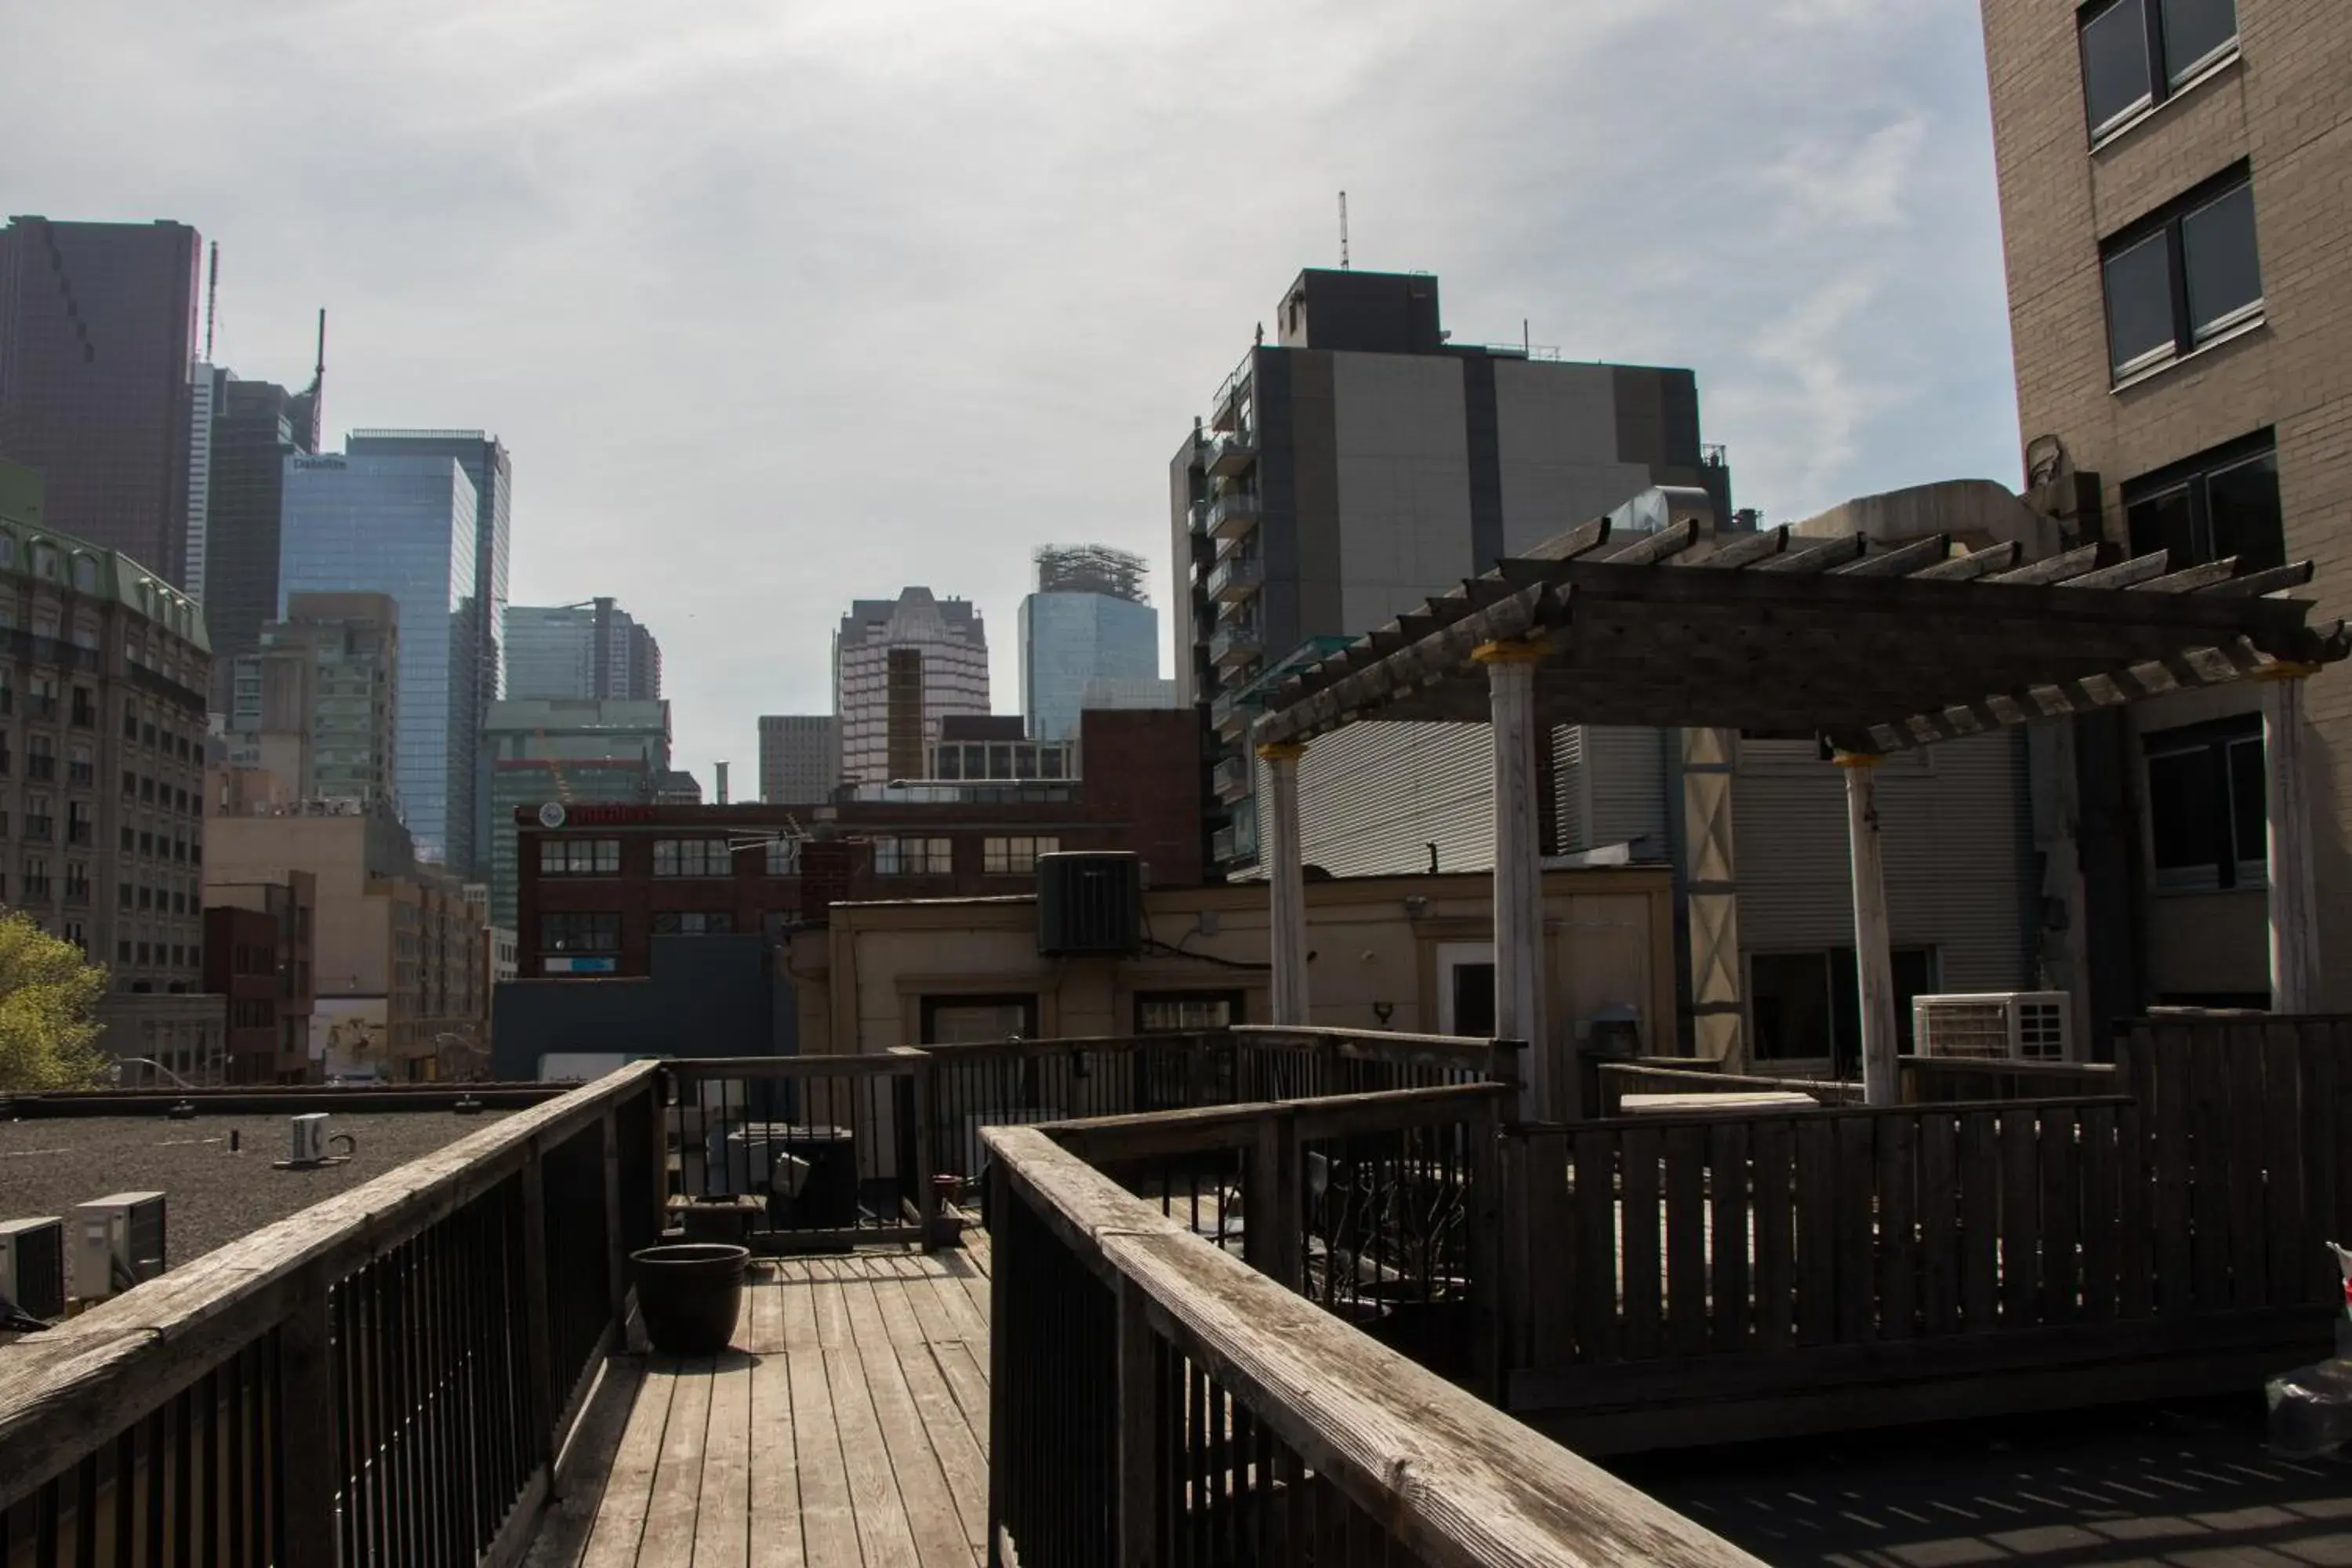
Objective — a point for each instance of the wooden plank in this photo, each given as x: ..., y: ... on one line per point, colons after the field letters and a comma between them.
x: 1727, y: 1158
x: 828, y: 1533
x: 2208, y: 1121
x: 1644, y: 1260
x: 2134, y: 1245
x: 1898, y: 1202
x: 1596, y: 1244
x: 774, y: 1482
x: 677, y: 1477
x: 1816, y: 1233
x: 1939, y: 1234
x: 721, y: 1533
x: 2021, y: 1221
x: 2061, y: 1204
x: 1776, y: 1234
x: 954, y: 1435
x: 620, y: 1521
x: 2170, y: 1153
x: 1548, y: 1246
x: 2248, y: 1124
x: 883, y: 1534
x: 2285, y: 1182
x: 929, y: 1509
x: 1855, y: 1221
x: 967, y: 1379
x: 2323, y: 1161
x: 1686, y: 1173
x: 2102, y: 1216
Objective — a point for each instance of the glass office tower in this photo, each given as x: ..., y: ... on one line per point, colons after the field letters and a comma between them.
x: 1068, y: 639
x: 404, y: 526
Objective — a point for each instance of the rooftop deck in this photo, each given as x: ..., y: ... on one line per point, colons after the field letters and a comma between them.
x: 846, y: 1427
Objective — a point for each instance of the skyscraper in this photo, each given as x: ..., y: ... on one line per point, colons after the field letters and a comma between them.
x: 491, y: 471
x: 899, y: 667
x: 799, y: 757
x: 571, y: 751
x: 98, y: 325
x: 1087, y: 621
x: 584, y: 650
x: 1361, y: 461
x: 241, y: 433
x: 404, y: 526
x: 315, y: 707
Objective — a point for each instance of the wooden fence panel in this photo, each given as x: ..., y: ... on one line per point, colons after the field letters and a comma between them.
x: 1816, y: 1233
x: 2061, y: 1210
x: 1856, y: 1192
x: 1939, y: 1233
x: 2323, y: 1160
x: 2176, y: 1258
x: 2100, y: 1214
x: 1727, y: 1167
x: 2283, y: 1152
x: 1980, y: 1223
x: 1898, y: 1251
x: 2021, y: 1221
x: 1776, y: 1233
x: 1553, y: 1256
x: 1686, y: 1176
x: 1596, y: 1246
x: 1644, y: 1257
x: 2209, y: 1168
x: 2242, y: 1060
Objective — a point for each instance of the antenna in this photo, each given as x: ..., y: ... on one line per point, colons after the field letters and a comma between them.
x: 1343, y: 231
x: 212, y: 303
x: 319, y: 382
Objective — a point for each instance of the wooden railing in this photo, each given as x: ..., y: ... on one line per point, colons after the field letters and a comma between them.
x: 1157, y: 1403
x: 384, y: 1378
x: 1655, y: 1075
x: 1929, y: 1079
x: 1719, y: 1274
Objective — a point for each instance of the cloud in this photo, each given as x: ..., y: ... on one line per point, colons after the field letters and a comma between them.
x: 780, y: 305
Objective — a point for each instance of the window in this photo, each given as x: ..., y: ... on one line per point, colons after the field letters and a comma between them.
x: 1014, y: 856
x: 692, y: 922
x: 963, y: 1020
x: 914, y: 858
x: 2206, y: 809
x: 1180, y: 1012
x: 580, y: 858
x: 580, y: 931
x: 693, y: 857
x: 129, y: 840
x: 130, y: 722
x: 130, y: 784
x: 122, y: 891
x: 2138, y: 53
x: 2219, y: 503
x: 2182, y: 277
x: 784, y: 856
x: 1807, y: 1007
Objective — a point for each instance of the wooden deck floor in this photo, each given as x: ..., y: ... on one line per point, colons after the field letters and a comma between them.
x: 847, y: 1427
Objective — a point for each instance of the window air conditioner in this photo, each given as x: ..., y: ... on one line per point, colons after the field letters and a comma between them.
x: 1995, y: 1025
x: 307, y: 1141
x: 117, y: 1242
x: 33, y: 1266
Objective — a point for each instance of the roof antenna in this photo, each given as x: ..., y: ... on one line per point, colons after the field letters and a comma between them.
x: 1343, y: 231
x: 212, y: 303
x: 319, y: 382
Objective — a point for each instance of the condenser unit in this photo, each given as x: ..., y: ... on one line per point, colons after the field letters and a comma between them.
x: 306, y: 1143
x: 117, y: 1242
x: 1995, y: 1025
x: 1089, y: 904
x: 33, y: 1266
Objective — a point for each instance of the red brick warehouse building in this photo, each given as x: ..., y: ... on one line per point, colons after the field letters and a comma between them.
x: 596, y: 883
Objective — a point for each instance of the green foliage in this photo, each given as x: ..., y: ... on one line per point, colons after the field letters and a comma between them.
x: 48, y: 1002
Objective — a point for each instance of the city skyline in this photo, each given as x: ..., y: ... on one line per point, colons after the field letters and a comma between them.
x: 709, y: 415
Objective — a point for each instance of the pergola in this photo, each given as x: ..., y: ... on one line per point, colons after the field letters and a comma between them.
x: 1871, y: 648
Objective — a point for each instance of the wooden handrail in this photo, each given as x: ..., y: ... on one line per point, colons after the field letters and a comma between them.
x: 1153, y: 1133
x: 68, y: 1391
x: 1703, y: 1118
x: 1450, y: 1477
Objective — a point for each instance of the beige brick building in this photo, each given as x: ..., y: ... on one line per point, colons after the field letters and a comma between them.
x: 2175, y: 193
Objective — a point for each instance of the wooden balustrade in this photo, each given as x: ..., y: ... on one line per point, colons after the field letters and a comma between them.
x: 1158, y: 1403
x: 384, y: 1378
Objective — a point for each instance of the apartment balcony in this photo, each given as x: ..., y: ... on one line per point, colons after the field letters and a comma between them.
x: 1234, y: 778
x: 1196, y: 517
x: 1231, y: 713
x: 1232, y: 395
x: 1235, y: 578
x: 1233, y: 513
x: 1233, y: 455
x: 1234, y: 845
x: 1237, y: 643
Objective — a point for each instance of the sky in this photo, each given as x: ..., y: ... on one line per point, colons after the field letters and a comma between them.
x: 781, y: 304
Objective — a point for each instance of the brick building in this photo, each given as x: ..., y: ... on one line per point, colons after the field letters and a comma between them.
x: 2173, y: 186
x: 257, y: 956
x: 595, y: 883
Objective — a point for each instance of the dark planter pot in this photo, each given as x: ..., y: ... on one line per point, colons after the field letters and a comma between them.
x: 689, y: 1292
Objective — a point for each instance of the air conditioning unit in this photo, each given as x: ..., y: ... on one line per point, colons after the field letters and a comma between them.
x: 1089, y: 903
x: 33, y: 1265
x: 117, y: 1242
x: 307, y: 1142
x: 1995, y: 1025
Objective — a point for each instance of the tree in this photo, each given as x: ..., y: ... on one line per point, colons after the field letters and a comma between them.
x: 49, y: 1004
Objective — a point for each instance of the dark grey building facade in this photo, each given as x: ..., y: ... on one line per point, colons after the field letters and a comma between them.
x: 245, y: 431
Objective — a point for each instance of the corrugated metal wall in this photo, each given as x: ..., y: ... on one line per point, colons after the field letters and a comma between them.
x: 1948, y: 824
x: 1373, y: 797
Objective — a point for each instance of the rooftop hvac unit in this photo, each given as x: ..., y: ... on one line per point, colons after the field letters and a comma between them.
x: 307, y: 1142
x: 117, y: 1242
x: 1995, y: 1025
x: 1089, y: 903
x: 33, y: 1266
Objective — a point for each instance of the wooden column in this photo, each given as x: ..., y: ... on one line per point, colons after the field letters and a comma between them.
x: 1518, y: 873
x: 1286, y: 873
x: 2294, y: 912
x: 1874, y: 955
